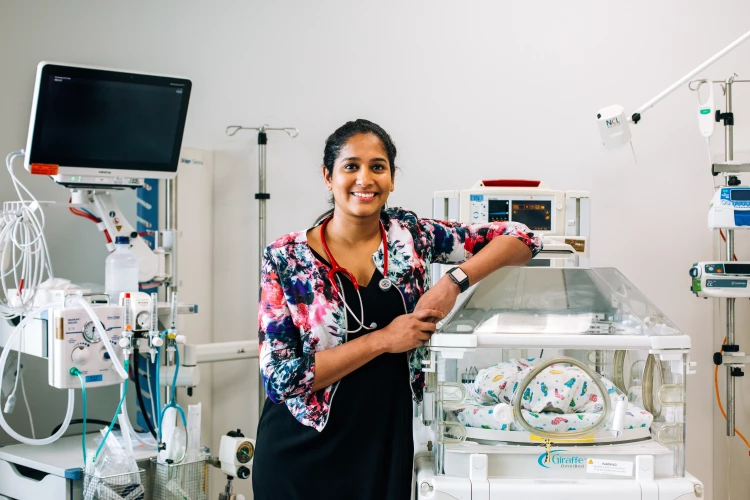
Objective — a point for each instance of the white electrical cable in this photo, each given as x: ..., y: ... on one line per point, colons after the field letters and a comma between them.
x: 105, y: 338
x: 71, y: 393
x: 10, y: 402
x: 23, y: 248
x: 18, y: 370
x: 28, y: 408
x: 124, y: 413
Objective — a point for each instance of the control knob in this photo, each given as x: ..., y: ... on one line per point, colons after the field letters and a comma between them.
x: 80, y: 355
x: 243, y: 472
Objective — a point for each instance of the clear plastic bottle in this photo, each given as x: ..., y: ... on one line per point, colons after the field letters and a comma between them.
x: 121, y: 270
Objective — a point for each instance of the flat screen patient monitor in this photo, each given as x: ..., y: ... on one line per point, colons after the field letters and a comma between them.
x: 100, y: 127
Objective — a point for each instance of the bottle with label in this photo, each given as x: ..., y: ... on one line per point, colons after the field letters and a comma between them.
x: 121, y: 270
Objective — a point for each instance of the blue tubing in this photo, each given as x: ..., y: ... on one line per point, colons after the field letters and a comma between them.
x: 157, y: 384
x: 178, y: 408
x: 176, y: 371
x: 117, y: 412
x: 83, y: 436
x: 173, y: 394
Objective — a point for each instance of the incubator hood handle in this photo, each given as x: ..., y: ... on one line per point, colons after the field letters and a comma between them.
x: 567, y: 435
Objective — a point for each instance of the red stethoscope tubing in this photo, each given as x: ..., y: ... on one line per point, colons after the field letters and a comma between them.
x: 335, y: 268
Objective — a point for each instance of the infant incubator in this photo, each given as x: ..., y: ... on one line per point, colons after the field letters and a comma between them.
x: 567, y: 382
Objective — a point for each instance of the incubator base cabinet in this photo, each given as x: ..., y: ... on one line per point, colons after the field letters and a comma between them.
x: 567, y: 382
x: 456, y: 488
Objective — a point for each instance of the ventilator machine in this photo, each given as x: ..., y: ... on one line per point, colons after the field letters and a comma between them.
x: 97, y: 131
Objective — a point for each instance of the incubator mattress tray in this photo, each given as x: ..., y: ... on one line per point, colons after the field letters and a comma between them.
x: 560, y: 398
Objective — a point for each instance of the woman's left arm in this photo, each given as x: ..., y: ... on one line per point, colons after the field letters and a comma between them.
x: 500, y: 252
x: 501, y: 244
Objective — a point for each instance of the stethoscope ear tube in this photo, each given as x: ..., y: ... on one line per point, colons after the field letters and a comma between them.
x: 384, y: 284
x: 361, y: 319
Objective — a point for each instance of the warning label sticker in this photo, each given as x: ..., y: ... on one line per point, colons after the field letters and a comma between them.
x: 44, y: 169
x: 578, y: 245
x: 609, y: 467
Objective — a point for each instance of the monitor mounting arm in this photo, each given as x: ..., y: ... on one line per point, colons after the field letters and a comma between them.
x: 153, y: 264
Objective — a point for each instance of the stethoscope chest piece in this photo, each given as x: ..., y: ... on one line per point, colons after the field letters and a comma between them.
x: 384, y: 284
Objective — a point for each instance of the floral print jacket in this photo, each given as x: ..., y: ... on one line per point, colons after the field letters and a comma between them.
x: 301, y: 313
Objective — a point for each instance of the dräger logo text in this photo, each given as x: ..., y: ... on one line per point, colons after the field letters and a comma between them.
x: 188, y: 161
x: 563, y: 462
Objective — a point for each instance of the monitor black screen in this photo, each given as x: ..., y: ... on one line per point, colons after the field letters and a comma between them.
x: 106, y: 119
x: 535, y: 214
x: 498, y: 210
x: 737, y: 268
x: 740, y: 194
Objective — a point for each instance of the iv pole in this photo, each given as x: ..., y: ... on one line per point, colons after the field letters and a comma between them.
x: 730, y: 346
x: 731, y: 356
x: 262, y: 197
x: 728, y: 167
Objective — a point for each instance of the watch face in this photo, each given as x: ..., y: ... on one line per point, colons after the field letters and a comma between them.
x: 459, y: 274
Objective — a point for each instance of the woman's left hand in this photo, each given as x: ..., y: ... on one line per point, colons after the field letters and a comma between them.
x: 442, y: 297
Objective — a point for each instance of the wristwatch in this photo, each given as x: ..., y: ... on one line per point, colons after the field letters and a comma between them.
x: 459, y: 277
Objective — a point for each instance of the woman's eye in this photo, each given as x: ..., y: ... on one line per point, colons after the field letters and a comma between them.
x: 378, y: 167
x: 350, y: 166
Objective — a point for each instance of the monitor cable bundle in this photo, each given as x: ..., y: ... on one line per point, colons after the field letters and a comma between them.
x: 24, y: 257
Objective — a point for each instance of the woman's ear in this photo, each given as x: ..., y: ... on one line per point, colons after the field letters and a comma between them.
x: 326, y: 177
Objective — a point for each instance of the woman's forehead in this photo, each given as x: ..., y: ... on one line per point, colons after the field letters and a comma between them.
x: 361, y: 145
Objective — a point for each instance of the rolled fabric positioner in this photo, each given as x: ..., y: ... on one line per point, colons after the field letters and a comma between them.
x: 559, y: 388
x: 476, y: 415
x: 561, y: 398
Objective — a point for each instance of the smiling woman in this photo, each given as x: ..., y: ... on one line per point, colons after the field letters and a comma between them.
x: 377, y: 154
x: 345, y: 311
x: 361, y: 183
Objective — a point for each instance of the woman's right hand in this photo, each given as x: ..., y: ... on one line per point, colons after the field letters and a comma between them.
x: 408, y: 331
x: 403, y: 334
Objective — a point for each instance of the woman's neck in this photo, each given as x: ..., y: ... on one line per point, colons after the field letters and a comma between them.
x: 352, y: 230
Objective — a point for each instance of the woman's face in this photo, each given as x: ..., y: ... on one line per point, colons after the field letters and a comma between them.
x: 361, y: 180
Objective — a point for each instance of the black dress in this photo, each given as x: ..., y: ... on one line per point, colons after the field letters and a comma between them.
x: 366, y: 450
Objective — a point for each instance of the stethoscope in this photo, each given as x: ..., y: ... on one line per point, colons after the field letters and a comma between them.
x: 384, y: 284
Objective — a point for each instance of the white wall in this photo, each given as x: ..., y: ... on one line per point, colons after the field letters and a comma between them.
x: 467, y: 90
